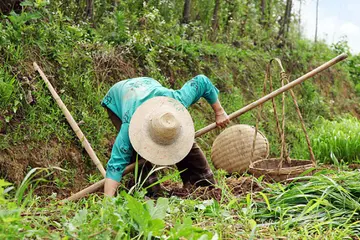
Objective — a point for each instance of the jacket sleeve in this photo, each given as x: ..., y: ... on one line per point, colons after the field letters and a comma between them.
x: 193, y: 90
x: 120, y: 155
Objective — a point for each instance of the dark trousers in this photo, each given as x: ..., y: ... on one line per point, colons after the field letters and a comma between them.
x: 194, y: 168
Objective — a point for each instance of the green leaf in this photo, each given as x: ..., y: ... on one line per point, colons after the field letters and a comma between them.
x: 137, y: 211
x: 26, y: 3
x: 266, y: 200
x: 3, y: 183
x: 80, y: 217
x: 158, y: 212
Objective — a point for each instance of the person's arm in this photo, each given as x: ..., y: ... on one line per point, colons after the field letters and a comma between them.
x: 201, y: 86
x: 120, y: 157
x: 221, y: 117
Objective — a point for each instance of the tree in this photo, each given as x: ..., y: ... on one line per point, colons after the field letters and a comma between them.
x: 263, y: 7
x: 285, y: 21
x: 317, y: 19
x: 244, y: 18
x: 7, y: 6
x: 215, y: 20
x: 300, y: 2
x: 186, y: 13
x: 89, y: 9
x: 232, y: 7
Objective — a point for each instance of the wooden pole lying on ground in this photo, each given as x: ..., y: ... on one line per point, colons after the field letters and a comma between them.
x: 236, y: 114
x: 99, y: 184
x: 73, y: 124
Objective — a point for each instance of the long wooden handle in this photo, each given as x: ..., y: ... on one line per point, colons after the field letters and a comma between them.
x: 275, y: 93
x: 98, y: 185
x: 70, y: 119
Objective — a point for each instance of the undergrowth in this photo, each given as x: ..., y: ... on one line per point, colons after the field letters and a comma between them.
x: 83, y: 58
x: 326, y: 206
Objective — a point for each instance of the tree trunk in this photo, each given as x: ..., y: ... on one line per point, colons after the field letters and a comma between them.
x: 232, y: 6
x: 244, y: 19
x: 285, y: 22
x: 269, y: 13
x: 288, y: 15
x: 263, y: 8
x: 186, y: 13
x: 317, y: 20
x: 7, y: 6
x: 215, y: 20
x: 89, y: 9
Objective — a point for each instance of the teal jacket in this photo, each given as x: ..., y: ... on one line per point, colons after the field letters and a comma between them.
x: 126, y: 96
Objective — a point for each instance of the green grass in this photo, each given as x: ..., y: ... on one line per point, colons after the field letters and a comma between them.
x: 324, y: 206
x: 318, y: 204
x: 83, y: 61
x: 334, y: 141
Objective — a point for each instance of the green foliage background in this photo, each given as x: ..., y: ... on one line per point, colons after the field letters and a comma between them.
x: 83, y: 56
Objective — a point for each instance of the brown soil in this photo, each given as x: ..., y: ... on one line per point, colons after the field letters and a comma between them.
x: 354, y: 166
x: 236, y: 186
x: 15, y: 162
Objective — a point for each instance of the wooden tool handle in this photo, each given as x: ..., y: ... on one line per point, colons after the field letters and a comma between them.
x: 98, y: 185
x: 275, y: 93
x: 70, y: 119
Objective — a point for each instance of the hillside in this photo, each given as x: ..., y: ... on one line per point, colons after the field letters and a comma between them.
x: 84, y: 49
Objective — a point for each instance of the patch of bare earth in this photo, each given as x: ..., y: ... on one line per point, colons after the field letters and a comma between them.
x: 16, y: 161
x: 237, y: 187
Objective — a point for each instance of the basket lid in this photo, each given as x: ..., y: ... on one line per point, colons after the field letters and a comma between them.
x: 231, y: 150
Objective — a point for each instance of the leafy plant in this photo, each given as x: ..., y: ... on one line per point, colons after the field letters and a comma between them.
x: 319, y: 202
x: 335, y: 141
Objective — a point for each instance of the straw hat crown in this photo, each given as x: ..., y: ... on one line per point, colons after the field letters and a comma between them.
x: 164, y: 128
x: 162, y: 131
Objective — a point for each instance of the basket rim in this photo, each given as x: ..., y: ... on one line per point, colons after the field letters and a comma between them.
x: 287, y: 170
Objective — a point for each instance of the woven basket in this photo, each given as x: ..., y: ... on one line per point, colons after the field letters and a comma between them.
x: 269, y: 168
x: 280, y: 169
x: 231, y: 150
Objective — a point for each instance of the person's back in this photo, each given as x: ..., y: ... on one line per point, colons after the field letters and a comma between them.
x: 126, y: 96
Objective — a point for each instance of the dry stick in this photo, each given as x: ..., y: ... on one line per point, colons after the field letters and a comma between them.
x: 73, y: 124
x: 243, y: 110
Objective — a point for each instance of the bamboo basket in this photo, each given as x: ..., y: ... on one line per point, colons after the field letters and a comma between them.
x: 282, y: 168
x: 232, y: 149
x: 269, y: 168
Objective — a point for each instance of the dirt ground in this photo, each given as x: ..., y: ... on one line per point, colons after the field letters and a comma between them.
x: 236, y: 186
x: 15, y: 163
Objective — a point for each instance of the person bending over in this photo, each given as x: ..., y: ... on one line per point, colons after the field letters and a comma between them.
x: 121, y: 102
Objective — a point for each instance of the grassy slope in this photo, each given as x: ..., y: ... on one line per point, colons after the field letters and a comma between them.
x: 82, y: 64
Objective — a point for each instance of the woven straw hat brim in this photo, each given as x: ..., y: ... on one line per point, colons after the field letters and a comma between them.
x: 152, y: 151
x: 231, y: 150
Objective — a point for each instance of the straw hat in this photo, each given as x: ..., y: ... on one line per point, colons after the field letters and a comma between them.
x: 231, y: 150
x: 162, y: 131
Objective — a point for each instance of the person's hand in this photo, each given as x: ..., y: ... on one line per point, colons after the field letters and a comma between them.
x: 222, y: 119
